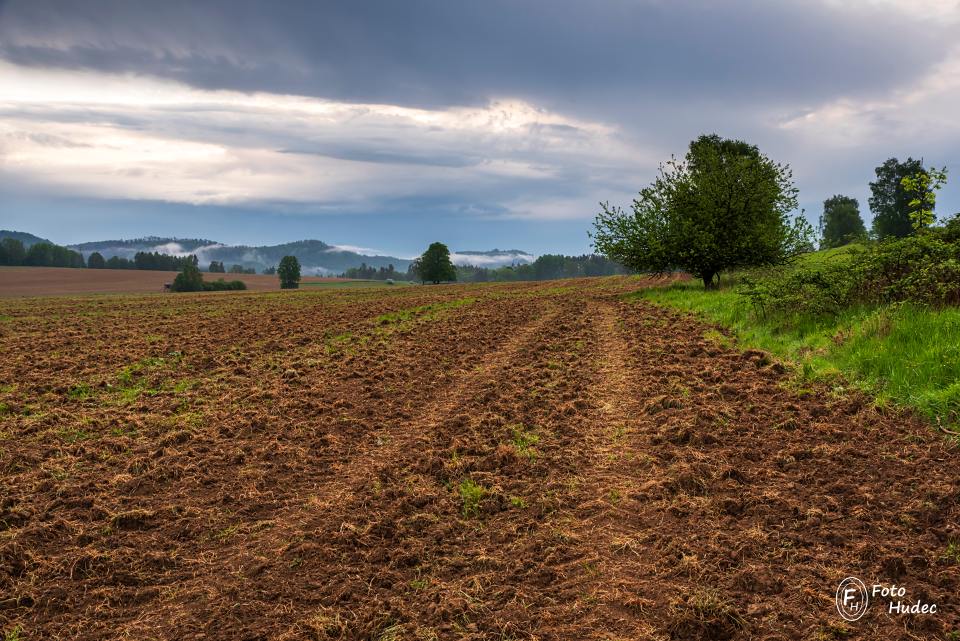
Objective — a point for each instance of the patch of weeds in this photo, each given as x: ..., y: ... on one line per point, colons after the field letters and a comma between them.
x: 524, y: 441
x: 471, y: 494
x: 718, y: 339
x: 4, y: 409
x: 125, y: 431
x: 346, y: 343
x: 518, y: 502
x: 614, y: 496
x: 226, y: 532
x: 419, y: 584
x: 952, y: 552
x: 390, y: 633
x: 73, y: 436
x: 182, y: 386
x: 406, y: 317
x: 13, y: 634
x: 80, y: 392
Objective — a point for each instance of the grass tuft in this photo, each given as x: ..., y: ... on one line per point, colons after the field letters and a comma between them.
x: 471, y: 494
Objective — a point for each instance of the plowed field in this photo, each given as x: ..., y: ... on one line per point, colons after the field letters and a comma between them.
x: 523, y: 461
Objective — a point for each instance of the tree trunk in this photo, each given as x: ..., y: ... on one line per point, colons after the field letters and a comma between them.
x: 711, y: 280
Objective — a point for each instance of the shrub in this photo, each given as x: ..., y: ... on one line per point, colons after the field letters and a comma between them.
x: 188, y: 280
x: 919, y: 269
x: 223, y: 285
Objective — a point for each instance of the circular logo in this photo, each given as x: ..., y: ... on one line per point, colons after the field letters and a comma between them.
x: 852, y: 598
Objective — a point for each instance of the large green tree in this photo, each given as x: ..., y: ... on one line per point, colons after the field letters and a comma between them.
x: 889, y: 201
x: 434, y: 265
x: 841, y: 223
x: 725, y: 205
x: 289, y: 272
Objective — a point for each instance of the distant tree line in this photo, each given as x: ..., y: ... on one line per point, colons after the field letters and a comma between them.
x: 13, y: 252
x: 367, y: 272
x: 546, y: 267
x: 217, y: 267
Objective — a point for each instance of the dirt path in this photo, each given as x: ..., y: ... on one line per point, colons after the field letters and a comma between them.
x: 509, y: 462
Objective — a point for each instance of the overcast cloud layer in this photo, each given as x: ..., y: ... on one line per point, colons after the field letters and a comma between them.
x: 392, y: 124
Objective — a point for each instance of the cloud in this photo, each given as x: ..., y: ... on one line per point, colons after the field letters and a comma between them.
x: 497, y: 111
x: 491, y: 259
x: 141, y: 138
x: 366, y: 251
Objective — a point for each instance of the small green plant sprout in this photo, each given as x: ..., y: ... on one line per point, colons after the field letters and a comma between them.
x: 471, y: 494
x: 13, y: 634
x: 953, y: 551
x: 923, y: 186
x: 524, y: 441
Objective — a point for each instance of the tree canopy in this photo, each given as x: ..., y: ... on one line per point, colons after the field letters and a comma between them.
x: 725, y: 205
x: 96, y: 261
x: 890, y: 201
x: 841, y: 223
x: 289, y: 272
x: 434, y: 265
x: 189, y: 279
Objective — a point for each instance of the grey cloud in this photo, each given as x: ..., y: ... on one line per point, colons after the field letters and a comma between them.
x: 436, y: 53
x: 375, y: 156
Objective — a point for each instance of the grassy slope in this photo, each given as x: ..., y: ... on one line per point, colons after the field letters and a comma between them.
x: 903, y: 354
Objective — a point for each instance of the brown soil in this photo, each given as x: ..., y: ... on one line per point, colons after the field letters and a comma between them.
x: 291, y: 466
x: 43, y: 281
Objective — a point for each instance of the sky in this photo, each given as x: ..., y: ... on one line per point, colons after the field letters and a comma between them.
x: 497, y: 124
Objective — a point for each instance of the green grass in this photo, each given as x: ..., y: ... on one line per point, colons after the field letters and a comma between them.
x: 471, y: 494
x: 904, y: 354
x: 524, y: 441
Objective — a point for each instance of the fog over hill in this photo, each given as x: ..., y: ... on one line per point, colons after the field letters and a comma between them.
x: 315, y: 256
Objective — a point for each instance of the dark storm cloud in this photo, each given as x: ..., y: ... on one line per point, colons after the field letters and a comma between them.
x: 438, y: 53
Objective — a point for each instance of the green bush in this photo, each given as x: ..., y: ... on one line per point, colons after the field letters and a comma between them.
x: 922, y: 269
x: 223, y: 285
x: 189, y: 280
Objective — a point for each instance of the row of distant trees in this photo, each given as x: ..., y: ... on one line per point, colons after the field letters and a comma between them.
x: 217, y: 267
x: 546, y: 267
x: 440, y: 268
x: 367, y: 272
x: 893, y: 201
x: 141, y: 260
x: 13, y: 252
